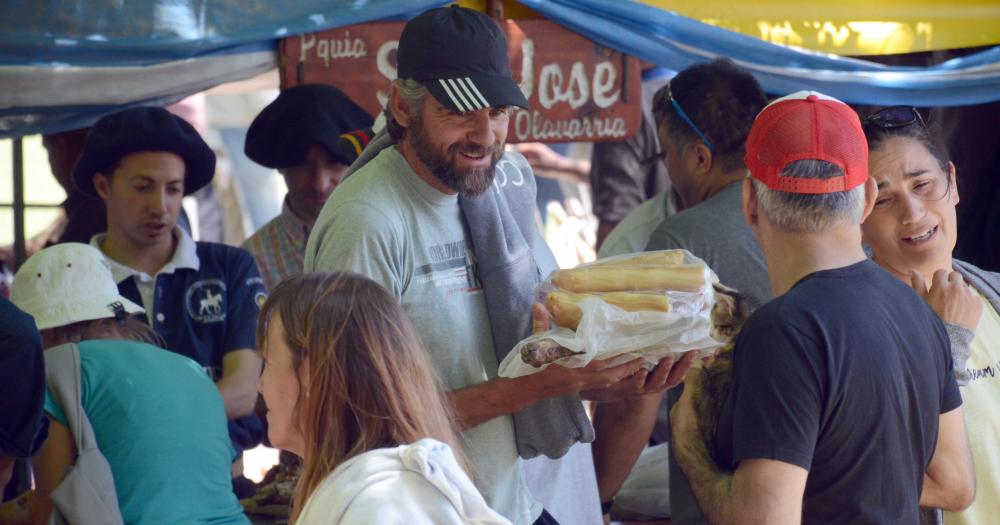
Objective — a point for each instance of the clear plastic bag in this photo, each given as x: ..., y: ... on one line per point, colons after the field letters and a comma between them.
x: 605, y: 330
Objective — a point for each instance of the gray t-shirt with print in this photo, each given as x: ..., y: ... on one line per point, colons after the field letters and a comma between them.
x: 385, y: 222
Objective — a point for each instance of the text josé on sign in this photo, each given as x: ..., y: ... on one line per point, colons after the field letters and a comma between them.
x: 578, y: 91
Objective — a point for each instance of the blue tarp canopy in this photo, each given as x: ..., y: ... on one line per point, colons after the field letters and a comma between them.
x: 65, y: 63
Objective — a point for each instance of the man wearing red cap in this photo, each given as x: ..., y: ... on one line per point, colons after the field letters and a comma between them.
x: 843, y: 407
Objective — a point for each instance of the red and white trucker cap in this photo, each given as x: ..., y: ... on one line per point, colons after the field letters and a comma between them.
x: 807, y: 125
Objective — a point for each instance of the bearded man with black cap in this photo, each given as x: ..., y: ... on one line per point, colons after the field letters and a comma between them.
x: 202, y: 298
x: 843, y: 406
x: 440, y: 215
x: 310, y: 134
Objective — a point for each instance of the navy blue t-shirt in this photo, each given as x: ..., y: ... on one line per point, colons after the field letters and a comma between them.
x: 208, y: 313
x: 846, y: 375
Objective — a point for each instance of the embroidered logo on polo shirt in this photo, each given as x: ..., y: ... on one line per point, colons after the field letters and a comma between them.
x: 205, y: 301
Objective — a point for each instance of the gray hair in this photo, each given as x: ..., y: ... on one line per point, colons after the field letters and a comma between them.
x: 811, y: 213
x: 414, y: 93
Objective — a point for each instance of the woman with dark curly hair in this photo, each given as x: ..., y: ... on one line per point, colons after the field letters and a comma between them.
x: 912, y: 232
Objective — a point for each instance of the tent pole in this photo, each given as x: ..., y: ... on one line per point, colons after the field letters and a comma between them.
x: 19, y: 250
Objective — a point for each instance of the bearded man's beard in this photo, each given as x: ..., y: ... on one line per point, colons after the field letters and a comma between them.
x: 470, y: 182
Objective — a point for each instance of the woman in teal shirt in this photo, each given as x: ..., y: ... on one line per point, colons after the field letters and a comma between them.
x: 157, y: 417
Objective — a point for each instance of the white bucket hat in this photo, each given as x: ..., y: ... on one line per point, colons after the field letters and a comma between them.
x: 68, y: 283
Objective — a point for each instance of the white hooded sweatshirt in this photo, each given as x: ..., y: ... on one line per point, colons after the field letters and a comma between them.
x: 418, y: 484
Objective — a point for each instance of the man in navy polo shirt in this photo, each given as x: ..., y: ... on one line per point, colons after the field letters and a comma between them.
x: 201, y: 298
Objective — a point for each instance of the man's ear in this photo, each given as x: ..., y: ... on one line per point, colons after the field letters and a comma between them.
x: 102, y: 184
x: 701, y: 158
x: 399, y: 107
x: 751, y: 213
x: 871, y: 193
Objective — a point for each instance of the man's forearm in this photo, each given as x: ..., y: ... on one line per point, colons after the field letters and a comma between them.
x: 761, y: 491
x: 482, y: 402
x: 238, y: 385
x: 950, y: 479
x: 477, y: 404
x: 712, y: 488
x: 943, y: 496
x: 622, y: 432
x: 238, y: 399
x: 579, y: 168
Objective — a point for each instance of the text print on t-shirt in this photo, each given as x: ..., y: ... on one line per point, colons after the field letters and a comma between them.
x: 982, y: 373
x: 452, y: 267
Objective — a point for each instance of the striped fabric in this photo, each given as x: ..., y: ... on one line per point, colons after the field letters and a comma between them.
x: 279, y: 247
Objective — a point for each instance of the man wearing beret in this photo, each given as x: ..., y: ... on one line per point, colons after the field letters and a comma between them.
x: 304, y: 134
x: 443, y: 217
x: 201, y: 298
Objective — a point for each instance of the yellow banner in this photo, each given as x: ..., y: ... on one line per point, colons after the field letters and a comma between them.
x: 844, y: 27
x: 853, y: 27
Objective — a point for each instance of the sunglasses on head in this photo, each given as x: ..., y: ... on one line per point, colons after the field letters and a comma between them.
x: 666, y: 93
x: 895, y: 117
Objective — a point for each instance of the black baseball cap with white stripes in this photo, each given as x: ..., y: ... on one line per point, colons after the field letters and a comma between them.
x: 460, y: 55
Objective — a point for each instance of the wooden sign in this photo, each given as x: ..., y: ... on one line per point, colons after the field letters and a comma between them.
x: 579, y: 91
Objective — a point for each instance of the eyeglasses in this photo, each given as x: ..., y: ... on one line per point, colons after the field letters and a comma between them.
x: 894, y: 117
x: 927, y: 188
x: 666, y: 93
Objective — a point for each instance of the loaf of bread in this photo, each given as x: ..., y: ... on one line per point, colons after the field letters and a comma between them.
x: 614, y: 278
x: 660, y: 258
x: 665, y: 282
x: 565, y: 306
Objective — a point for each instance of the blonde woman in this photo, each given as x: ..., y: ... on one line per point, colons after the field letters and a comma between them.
x: 349, y: 389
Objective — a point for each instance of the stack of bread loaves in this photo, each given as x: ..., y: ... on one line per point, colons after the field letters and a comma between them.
x: 633, y: 284
x: 647, y: 304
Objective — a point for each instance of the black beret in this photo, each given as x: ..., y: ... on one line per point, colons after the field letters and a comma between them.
x: 301, y: 116
x: 22, y: 383
x: 141, y: 129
